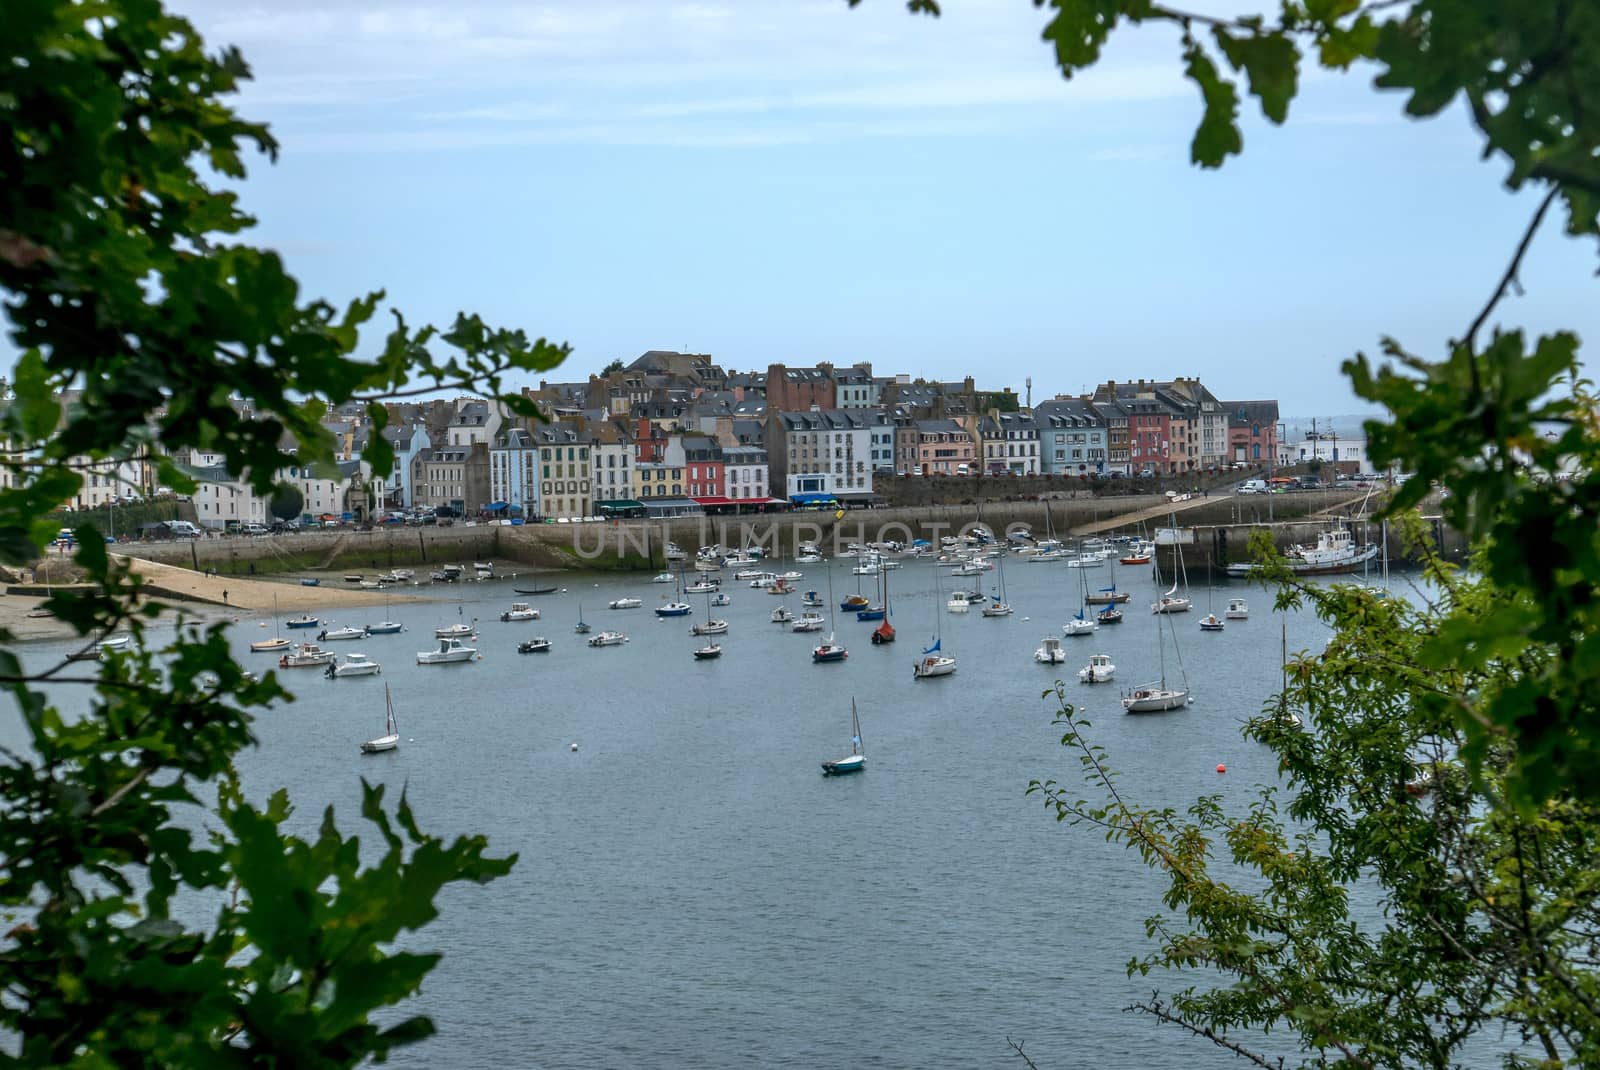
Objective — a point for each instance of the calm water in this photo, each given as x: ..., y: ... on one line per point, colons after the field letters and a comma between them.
x: 692, y: 891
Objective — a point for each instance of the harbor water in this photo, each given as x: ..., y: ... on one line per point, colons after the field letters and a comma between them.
x: 692, y: 891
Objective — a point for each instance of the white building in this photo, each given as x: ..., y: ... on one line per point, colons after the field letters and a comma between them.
x: 823, y: 452
x: 514, y: 471
x: 745, y: 474
x: 1326, y: 446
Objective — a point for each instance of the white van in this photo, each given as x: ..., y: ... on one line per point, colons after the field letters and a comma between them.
x: 183, y: 529
x: 1253, y: 486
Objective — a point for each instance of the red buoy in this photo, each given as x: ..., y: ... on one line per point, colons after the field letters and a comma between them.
x: 1221, y: 768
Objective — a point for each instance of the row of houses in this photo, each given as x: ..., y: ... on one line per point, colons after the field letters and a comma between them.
x: 675, y: 432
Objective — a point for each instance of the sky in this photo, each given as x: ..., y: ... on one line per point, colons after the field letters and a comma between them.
x: 794, y: 181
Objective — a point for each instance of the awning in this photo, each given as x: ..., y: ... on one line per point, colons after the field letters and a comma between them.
x: 717, y: 499
x: 812, y: 499
x: 668, y: 507
x: 495, y: 507
x: 615, y: 505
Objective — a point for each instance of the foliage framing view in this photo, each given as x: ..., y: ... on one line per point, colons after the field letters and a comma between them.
x: 1442, y: 764
x: 124, y: 281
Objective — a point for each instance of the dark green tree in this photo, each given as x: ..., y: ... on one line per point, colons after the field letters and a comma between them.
x: 615, y: 366
x: 125, y: 278
x: 286, y: 502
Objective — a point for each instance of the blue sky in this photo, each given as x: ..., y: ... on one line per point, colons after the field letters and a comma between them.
x: 792, y: 180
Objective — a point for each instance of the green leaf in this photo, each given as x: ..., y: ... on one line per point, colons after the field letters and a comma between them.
x: 1271, y: 61
x: 1217, y: 136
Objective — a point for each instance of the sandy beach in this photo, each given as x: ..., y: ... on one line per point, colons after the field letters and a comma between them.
x: 207, y: 598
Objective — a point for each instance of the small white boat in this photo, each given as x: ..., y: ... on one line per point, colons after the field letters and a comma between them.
x: 1098, y: 671
x: 483, y: 569
x: 808, y: 622
x: 391, y: 737
x: 453, y: 631
x: 397, y: 575
x: 856, y: 760
x: 353, y: 665
x: 781, y: 615
x: 958, y: 603
x: 1238, y: 609
x: 722, y: 600
x: 1211, y: 623
x: 708, y: 652
x: 519, y: 611
x: 1082, y: 624
x: 450, y: 650
x: 750, y: 574
x: 708, y: 566
x: 662, y: 577
x: 791, y: 576
x: 608, y: 639
x: 1045, y: 557
x: 305, y: 656
x: 970, y: 568
x: 1155, y: 698
x: 1086, y: 561
x: 763, y: 579
x: 997, y: 609
x: 386, y: 627
x: 703, y: 587
x: 933, y: 663
x: 625, y: 603
x: 808, y: 559
x: 270, y: 646
x: 1050, y: 652
x: 1171, y: 604
x: 335, y: 635
x: 537, y: 645
x: 710, y: 627
x: 372, y: 585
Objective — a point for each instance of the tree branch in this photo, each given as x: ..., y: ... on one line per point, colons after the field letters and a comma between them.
x: 1159, y: 1011
x: 1509, y: 277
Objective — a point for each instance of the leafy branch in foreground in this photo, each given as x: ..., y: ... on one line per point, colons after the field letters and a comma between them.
x: 125, y: 284
x: 1386, y: 907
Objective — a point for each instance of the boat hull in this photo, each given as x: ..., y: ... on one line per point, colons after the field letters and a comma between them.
x: 379, y: 745
x: 1155, y: 700
x: 856, y: 763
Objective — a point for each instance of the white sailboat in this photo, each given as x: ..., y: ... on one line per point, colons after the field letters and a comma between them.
x: 1170, y: 601
x: 391, y: 737
x: 1081, y: 623
x: 277, y: 644
x: 388, y: 626
x: 934, y: 662
x: 828, y: 651
x: 856, y: 760
x: 999, y: 607
x: 1160, y: 696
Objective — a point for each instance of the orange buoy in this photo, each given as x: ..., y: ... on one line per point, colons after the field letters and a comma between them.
x: 1221, y: 768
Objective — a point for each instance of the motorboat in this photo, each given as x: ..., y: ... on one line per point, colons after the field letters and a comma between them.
x: 970, y: 568
x: 1050, y: 652
x: 608, y: 639
x: 1098, y: 671
x: 537, y: 645
x: 809, y: 622
x: 958, y: 603
x: 391, y: 737
x: 1238, y: 609
x: 1211, y: 623
x: 663, y: 577
x: 305, y: 656
x: 752, y: 574
x: 449, y: 573
x: 352, y: 665
x: 759, y: 579
x: 397, y: 575
x: 1044, y: 557
x: 721, y: 600
x: 305, y: 620
x: 624, y: 603
x: 335, y: 635
x: 310, y: 581
x: 709, y: 627
x: 870, y: 613
x: 707, y: 652
x: 673, y: 552
x: 519, y: 611
x: 483, y: 570
x: 781, y: 615
x: 781, y: 588
x: 1335, y: 552
x: 372, y: 585
x: 856, y: 760
x: 674, y: 609
x: 812, y: 600
x: 453, y: 631
x: 703, y: 587
x: 1086, y: 561
x: 450, y: 650
x: 808, y: 559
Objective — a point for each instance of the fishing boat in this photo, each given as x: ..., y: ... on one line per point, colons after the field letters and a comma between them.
x: 934, y: 661
x: 1160, y: 696
x: 781, y: 615
x: 1050, y: 652
x: 352, y: 665
x: 581, y: 627
x: 483, y: 570
x: 391, y: 736
x: 449, y: 573
x: 1098, y: 671
x: 721, y: 600
x: 703, y: 587
x: 519, y: 611
x: 625, y: 603
x: 958, y: 602
x: 1238, y: 609
x: 809, y: 622
x: 451, y: 650
x: 812, y: 600
x: 607, y: 639
x: 1211, y: 623
x: 1336, y: 552
x: 856, y: 760
x: 305, y: 656
x: 537, y: 645
x: 304, y: 620
x: 344, y: 634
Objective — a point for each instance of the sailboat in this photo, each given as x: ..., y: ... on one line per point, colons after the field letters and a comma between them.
x: 1109, y: 596
x: 1210, y: 622
x: 710, y: 627
x: 277, y: 643
x: 999, y: 607
x: 535, y: 589
x: 1160, y: 696
x: 460, y: 630
x: 385, y: 626
x: 582, y: 628
x: 934, y: 662
x: 1171, y: 601
x: 1081, y: 623
x: 391, y: 737
x: 828, y: 650
x: 884, y: 632
x: 856, y: 760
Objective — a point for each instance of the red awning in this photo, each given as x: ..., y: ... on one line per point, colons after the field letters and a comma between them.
x: 719, y: 500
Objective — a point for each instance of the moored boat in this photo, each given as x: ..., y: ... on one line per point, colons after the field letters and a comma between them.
x: 352, y: 665
x: 1049, y: 651
x: 856, y: 760
x: 305, y: 656
x: 607, y: 639
x: 519, y: 611
x: 1098, y: 671
x: 537, y: 645
x: 451, y: 650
